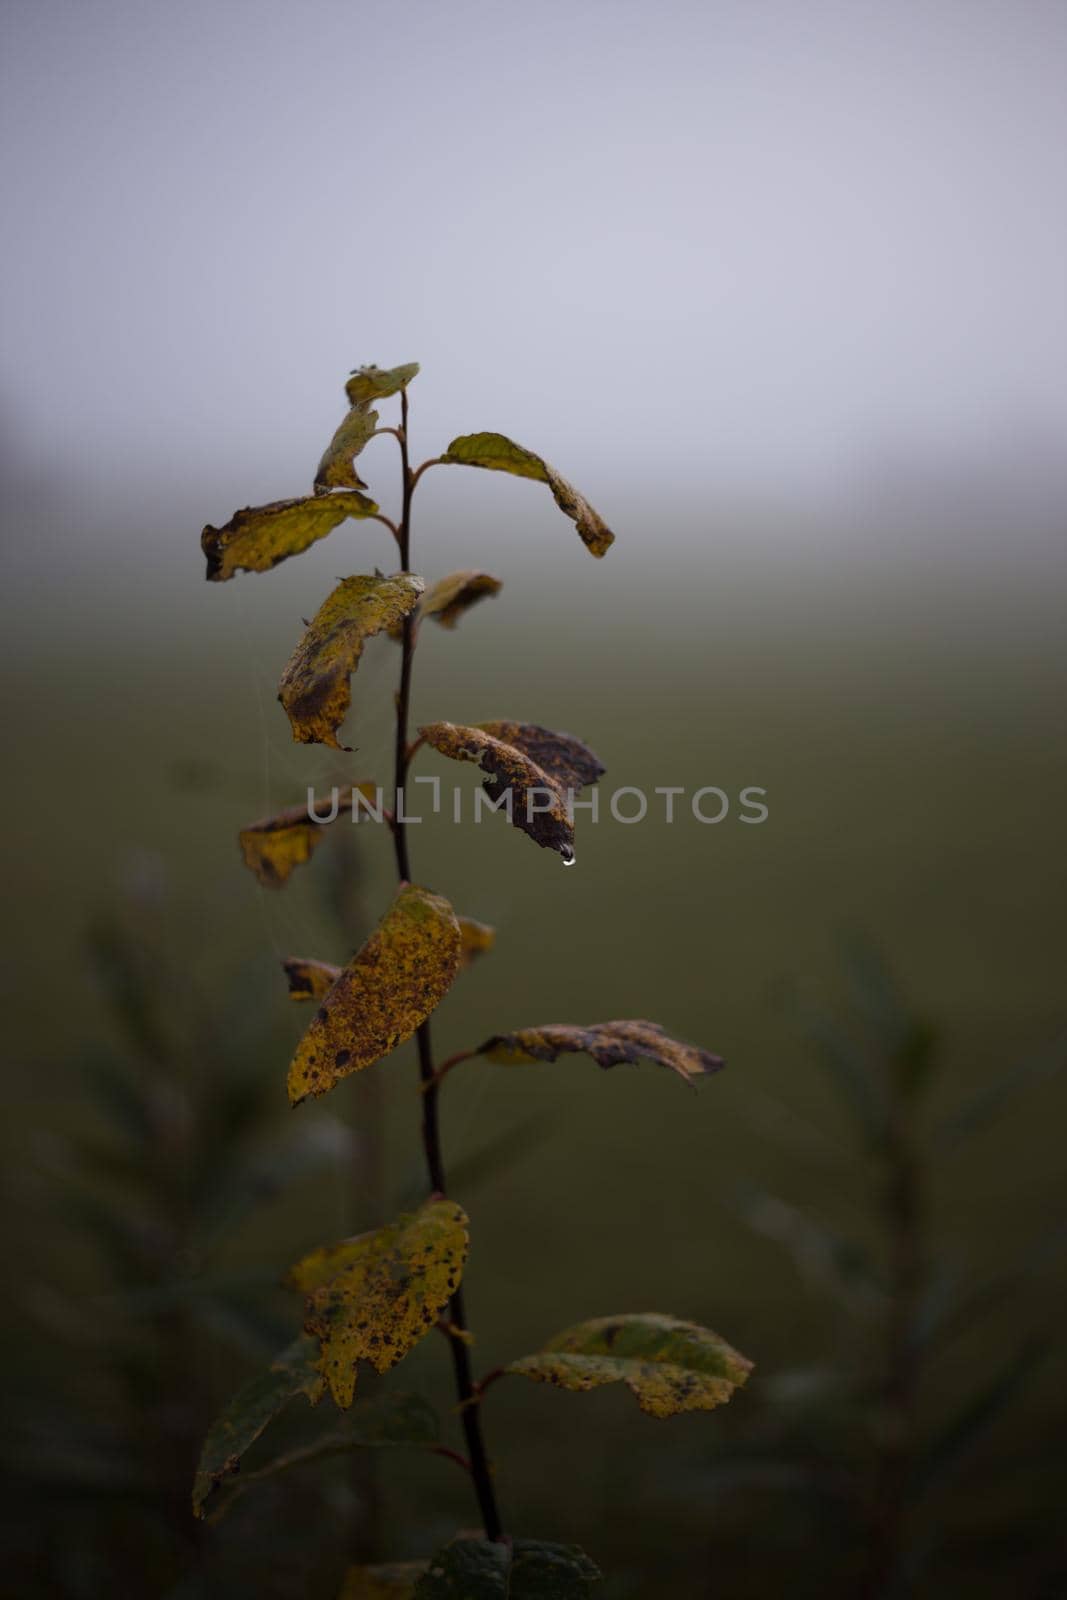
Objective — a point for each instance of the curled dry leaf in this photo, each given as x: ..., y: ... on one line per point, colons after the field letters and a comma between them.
x: 336, y: 470
x: 499, y: 454
x: 368, y: 384
x: 312, y: 980
x: 609, y: 1043
x: 670, y: 1365
x: 372, y: 1298
x: 314, y: 687
x: 450, y: 597
x: 251, y: 1409
x: 471, y: 1568
x: 274, y: 846
x: 539, y: 769
x: 257, y: 538
x: 385, y: 992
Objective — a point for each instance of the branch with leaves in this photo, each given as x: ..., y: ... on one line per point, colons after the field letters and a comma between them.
x: 371, y: 1298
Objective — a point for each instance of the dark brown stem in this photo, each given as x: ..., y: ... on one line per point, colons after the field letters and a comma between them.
x: 478, y: 1460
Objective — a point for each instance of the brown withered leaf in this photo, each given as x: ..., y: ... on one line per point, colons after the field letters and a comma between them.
x: 476, y: 938
x: 372, y: 1298
x: 500, y: 454
x: 448, y: 598
x: 257, y: 538
x: 311, y: 980
x: 314, y: 687
x: 368, y: 384
x: 273, y: 847
x: 609, y: 1043
x: 669, y: 1365
x: 537, y: 766
x: 386, y: 991
x: 337, y: 469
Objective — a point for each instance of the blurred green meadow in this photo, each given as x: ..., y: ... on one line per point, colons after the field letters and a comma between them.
x: 901, y: 706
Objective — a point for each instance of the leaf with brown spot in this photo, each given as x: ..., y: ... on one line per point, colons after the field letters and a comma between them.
x: 337, y: 470
x: 273, y: 847
x: 670, y: 1365
x: 372, y: 1298
x: 538, y: 768
x: 609, y: 1043
x: 257, y: 538
x: 385, y: 992
x: 240, y: 1424
x: 314, y: 687
x: 476, y: 938
x: 499, y: 454
x: 310, y: 980
x: 368, y: 384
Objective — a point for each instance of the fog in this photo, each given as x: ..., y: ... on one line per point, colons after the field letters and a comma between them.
x: 792, y: 254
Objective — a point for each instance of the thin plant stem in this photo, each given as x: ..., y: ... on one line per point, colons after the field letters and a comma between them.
x: 480, y: 1470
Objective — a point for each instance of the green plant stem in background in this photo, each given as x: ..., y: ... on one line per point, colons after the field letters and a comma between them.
x: 481, y: 1472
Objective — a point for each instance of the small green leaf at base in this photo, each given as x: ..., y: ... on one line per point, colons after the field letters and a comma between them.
x: 669, y: 1365
x: 526, y: 1569
x: 251, y: 1409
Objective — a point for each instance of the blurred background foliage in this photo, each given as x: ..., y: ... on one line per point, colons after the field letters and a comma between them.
x: 868, y: 1201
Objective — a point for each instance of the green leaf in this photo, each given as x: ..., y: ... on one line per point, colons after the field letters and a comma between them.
x: 499, y: 454
x: 609, y: 1043
x: 530, y: 768
x: 670, y: 1365
x: 985, y: 1106
x: 336, y: 469
x: 382, y: 996
x: 257, y: 538
x: 394, y: 1581
x: 314, y: 686
x: 372, y: 1298
x: 388, y: 1421
x: 527, y: 1569
x: 368, y: 384
x: 251, y: 1409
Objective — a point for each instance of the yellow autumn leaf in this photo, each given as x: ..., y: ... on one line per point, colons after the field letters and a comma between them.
x: 257, y: 538
x: 392, y: 1580
x: 500, y: 454
x: 609, y: 1043
x: 381, y: 997
x: 336, y: 470
x: 476, y: 938
x: 536, y: 766
x: 372, y: 1298
x: 368, y: 384
x: 314, y: 687
x: 275, y: 845
x: 311, y: 980
x: 671, y: 1366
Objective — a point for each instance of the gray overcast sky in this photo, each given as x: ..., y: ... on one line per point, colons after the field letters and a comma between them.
x: 738, y: 239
